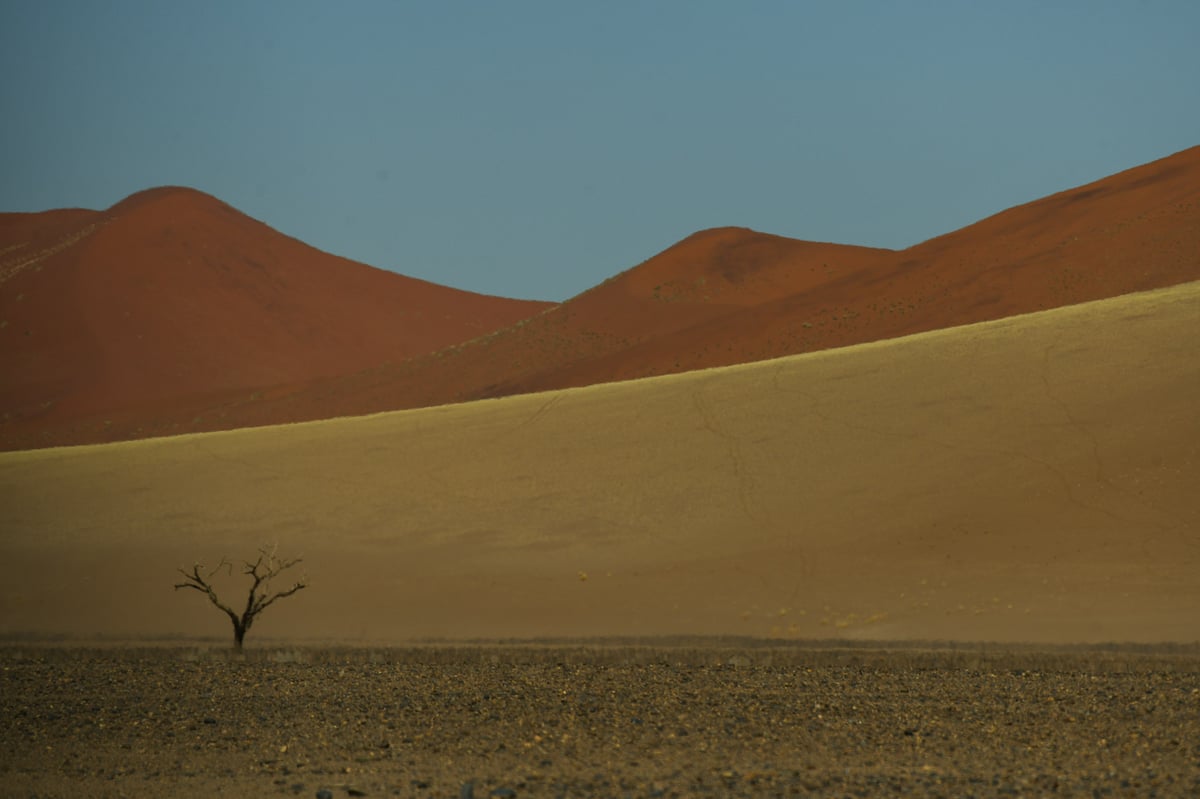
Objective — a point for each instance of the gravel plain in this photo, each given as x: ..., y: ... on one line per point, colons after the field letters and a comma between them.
x: 661, y: 720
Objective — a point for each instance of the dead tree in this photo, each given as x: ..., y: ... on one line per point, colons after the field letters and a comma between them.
x: 261, y: 572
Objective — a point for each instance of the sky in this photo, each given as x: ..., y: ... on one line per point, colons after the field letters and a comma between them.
x: 534, y: 148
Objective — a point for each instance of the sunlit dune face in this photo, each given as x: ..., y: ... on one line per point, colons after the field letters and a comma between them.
x: 1030, y: 479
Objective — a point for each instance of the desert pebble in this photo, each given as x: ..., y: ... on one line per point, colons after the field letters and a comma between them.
x: 615, y: 721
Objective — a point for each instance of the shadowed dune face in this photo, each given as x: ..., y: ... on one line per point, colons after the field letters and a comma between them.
x: 732, y: 295
x: 1031, y: 479
x: 172, y: 298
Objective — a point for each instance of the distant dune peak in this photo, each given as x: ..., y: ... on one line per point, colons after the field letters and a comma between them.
x: 160, y: 194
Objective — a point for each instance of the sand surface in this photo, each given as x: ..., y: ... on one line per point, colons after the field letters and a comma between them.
x: 173, y: 313
x: 732, y: 295
x: 1031, y: 479
x: 171, y: 304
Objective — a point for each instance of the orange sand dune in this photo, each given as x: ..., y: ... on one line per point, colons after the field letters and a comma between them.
x: 729, y: 296
x: 28, y: 239
x: 125, y: 358
x: 171, y: 298
x: 1133, y: 231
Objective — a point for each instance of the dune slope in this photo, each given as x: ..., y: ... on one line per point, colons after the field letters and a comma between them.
x: 1029, y: 479
x: 172, y: 313
x: 732, y: 295
x: 172, y: 301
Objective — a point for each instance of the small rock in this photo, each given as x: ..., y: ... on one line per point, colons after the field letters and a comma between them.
x: 324, y: 793
x: 504, y: 793
x: 467, y: 791
x: 355, y: 792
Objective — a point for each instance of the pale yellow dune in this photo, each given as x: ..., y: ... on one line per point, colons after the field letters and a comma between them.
x: 1033, y: 479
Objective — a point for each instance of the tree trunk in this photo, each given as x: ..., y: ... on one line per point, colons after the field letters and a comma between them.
x: 239, y: 633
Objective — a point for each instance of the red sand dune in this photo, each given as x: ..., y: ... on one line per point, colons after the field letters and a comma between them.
x: 171, y: 297
x: 731, y: 295
x: 719, y: 297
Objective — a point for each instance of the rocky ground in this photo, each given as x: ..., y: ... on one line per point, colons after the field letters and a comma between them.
x: 517, y: 721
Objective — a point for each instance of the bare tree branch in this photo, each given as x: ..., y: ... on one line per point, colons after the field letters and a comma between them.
x: 259, y: 598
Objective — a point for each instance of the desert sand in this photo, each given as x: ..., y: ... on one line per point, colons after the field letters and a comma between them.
x: 171, y: 303
x: 173, y: 313
x: 755, y: 517
x: 731, y: 295
x: 1028, y: 479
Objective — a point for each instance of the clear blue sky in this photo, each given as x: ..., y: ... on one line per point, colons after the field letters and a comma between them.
x: 534, y: 149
